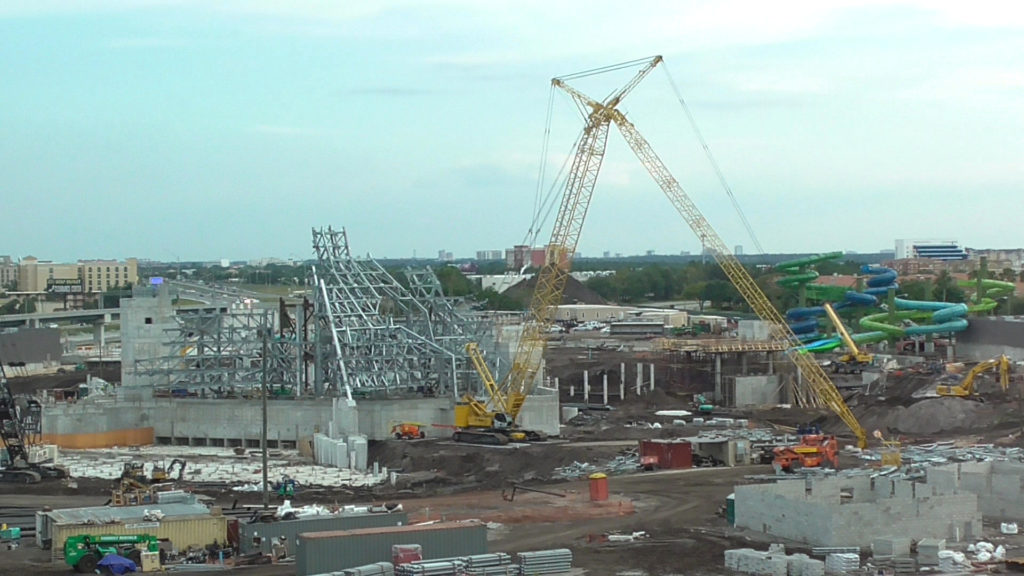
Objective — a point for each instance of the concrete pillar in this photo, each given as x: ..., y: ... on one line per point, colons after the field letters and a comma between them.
x: 572, y: 391
x: 743, y: 363
x: 771, y: 362
x: 99, y: 336
x: 557, y: 388
x: 718, y: 378
x: 605, y: 387
x: 586, y: 387
x: 639, y: 377
x: 622, y: 380
x: 929, y: 346
x: 651, y: 371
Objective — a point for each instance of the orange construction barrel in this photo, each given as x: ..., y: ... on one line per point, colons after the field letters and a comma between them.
x: 598, y: 487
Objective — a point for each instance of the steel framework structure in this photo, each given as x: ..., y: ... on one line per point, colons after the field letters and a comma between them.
x: 221, y: 353
x: 373, y: 335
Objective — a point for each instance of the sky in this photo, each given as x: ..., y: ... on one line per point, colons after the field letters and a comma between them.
x: 200, y: 130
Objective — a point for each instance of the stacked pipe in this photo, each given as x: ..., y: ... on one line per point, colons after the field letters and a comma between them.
x: 378, y: 569
x: 431, y: 568
x: 545, y: 561
x: 498, y: 564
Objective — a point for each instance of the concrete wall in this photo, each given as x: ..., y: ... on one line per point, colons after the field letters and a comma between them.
x: 147, y: 323
x: 755, y: 390
x: 989, y: 337
x: 997, y: 485
x: 854, y: 511
x: 31, y: 346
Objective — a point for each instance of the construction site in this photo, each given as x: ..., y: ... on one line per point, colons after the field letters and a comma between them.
x: 375, y: 425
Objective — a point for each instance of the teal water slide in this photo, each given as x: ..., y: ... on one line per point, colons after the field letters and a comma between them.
x: 902, y: 317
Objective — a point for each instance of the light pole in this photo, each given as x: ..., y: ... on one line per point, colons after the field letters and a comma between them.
x: 263, y: 431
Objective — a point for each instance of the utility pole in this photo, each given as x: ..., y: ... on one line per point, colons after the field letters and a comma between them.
x: 263, y: 431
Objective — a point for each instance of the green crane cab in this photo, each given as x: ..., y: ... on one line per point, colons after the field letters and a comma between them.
x: 84, y: 552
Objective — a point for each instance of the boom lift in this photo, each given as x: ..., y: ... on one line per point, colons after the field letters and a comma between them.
x: 854, y: 361
x: 551, y: 281
x: 966, y: 387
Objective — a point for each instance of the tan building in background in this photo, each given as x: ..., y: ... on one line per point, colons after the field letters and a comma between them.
x: 101, y: 275
x: 8, y: 272
x: 85, y: 276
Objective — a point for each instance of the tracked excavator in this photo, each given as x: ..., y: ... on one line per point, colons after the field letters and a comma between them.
x: 494, y: 419
x: 965, y: 389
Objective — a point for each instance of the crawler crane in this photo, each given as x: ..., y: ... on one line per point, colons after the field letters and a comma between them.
x: 487, y: 421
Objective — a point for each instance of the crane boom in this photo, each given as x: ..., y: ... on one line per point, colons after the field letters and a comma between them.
x: 851, y: 346
x: 779, y: 331
x: 572, y: 212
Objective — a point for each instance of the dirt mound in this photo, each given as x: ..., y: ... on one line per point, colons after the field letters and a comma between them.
x: 930, y: 416
x: 575, y: 292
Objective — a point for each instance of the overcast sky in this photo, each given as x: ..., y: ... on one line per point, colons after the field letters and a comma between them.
x: 203, y: 130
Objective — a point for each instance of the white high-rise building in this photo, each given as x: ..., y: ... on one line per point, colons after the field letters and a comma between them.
x: 934, y: 249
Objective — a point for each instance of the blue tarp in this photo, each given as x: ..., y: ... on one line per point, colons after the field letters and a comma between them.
x: 117, y: 564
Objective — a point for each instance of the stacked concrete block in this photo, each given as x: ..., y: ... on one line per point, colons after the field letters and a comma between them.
x: 795, y: 564
x: 928, y: 551
x: 889, y: 547
x: 774, y: 562
x: 842, y: 563
x: 754, y: 562
x: 812, y: 567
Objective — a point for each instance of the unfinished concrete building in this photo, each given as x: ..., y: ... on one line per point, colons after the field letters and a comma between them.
x: 856, y: 510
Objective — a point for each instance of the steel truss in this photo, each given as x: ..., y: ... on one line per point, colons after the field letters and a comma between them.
x: 221, y: 354
x: 375, y: 336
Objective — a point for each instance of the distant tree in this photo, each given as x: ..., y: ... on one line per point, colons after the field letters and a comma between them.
x: 946, y: 289
x: 915, y: 290
x: 490, y: 299
x: 720, y: 293
x: 453, y: 283
x: 1008, y: 275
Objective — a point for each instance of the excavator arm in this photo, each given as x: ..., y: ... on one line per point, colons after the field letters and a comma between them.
x: 966, y: 387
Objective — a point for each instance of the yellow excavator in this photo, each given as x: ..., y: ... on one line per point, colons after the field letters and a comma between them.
x: 494, y: 420
x: 854, y: 361
x: 966, y: 386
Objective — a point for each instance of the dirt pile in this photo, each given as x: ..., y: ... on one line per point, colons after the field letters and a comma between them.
x: 931, y: 416
x: 575, y: 292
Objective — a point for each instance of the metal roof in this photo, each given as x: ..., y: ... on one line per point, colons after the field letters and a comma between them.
x: 112, y: 514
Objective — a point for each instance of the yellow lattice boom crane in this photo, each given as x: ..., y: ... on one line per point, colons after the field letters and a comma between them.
x: 854, y: 360
x: 576, y: 200
x: 493, y: 421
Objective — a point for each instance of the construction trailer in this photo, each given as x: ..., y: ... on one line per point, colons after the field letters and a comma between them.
x: 184, y: 525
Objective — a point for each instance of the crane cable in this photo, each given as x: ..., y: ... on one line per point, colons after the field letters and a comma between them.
x: 714, y: 164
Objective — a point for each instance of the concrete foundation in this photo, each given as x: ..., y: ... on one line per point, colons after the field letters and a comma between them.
x: 134, y: 417
x: 857, y: 511
x: 997, y: 485
x: 762, y: 390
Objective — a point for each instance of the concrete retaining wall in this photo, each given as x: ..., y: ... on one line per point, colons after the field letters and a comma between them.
x: 855, y: 511
x: 989, y: 337
x: 760, y: 390
x: 997, y: 486
x: 237, y: 422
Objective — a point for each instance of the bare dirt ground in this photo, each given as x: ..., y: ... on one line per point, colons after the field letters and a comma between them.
x: 679, y: 510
